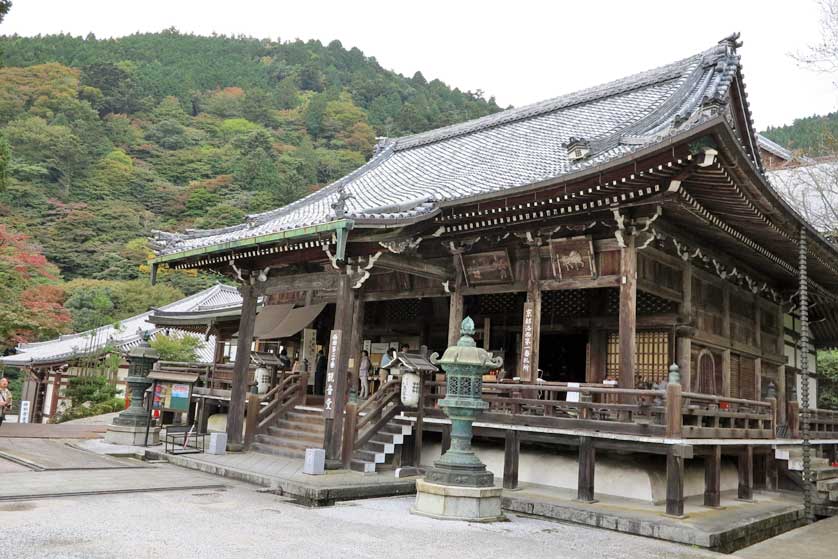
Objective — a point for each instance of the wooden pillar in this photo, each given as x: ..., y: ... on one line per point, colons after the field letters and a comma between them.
x: 419, y: 426
x: 511, y: 454
x: 587, y: 470
x: 746, y: 474
x: 674, y: 483
x: 781, y: 370
x: 534, y: 297
x: 487, y: 333
x: 455, y: 309
x: 713, y: 477
x: 771, y: 473
x: 218, y: 354
x: 343, y: 322
x: 726, y: 373
x: 628, y: 312
x: 683, y: 342
x: 356, y: 344
x: 599, y: 353
x: 238, y: 393
x: 674, y: 411
x: 252, y: 419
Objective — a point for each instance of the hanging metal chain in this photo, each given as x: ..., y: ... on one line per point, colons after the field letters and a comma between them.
x: 808, y: 485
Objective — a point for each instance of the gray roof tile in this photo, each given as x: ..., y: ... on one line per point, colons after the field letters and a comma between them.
x: 411, y: 177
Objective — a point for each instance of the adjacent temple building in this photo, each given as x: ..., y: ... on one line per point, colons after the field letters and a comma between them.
x: 595, y: 239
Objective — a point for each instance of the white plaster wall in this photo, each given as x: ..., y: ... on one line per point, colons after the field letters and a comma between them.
x: 633, y: 476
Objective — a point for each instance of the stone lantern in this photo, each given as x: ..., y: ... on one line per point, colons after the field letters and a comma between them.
x: 129, y: 427
x: 459, y: 486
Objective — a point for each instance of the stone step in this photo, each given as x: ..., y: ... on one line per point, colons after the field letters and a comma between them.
x: 277, y: 451
x: 796, y: 464
x: 362, y: 466
x: 397, y: 428
x: 286, y: 443
x: 369, y: 456
x: 303, y: 416
x: 377, y: 446
x: 311, y: 437
x: 825, y: 474
x: 389, y: 438
x: 318, y: 429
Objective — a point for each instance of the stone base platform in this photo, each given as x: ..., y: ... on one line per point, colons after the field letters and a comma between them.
x: 446, y: 502
x: 731, y: 527
x: 131, y: 435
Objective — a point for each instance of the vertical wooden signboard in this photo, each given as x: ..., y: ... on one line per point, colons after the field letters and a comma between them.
x: 525, y: 370
x: 332, y: 372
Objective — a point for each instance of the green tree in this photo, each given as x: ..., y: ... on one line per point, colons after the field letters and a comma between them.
x: 94, y: 389
x: 5, y: 6
x: 5, y: 160
x: 183, y: 348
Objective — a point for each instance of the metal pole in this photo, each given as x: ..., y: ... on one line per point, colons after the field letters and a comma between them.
x: 808, y: 487
x: 150, y: 407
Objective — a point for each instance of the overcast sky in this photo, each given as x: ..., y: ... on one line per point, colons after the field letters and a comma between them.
x: 520, y: 52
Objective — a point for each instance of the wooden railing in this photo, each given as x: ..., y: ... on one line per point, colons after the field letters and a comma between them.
x: 667, y: 413
x: 823, y: 424
x: 363, y: 421
x: 265, y: 409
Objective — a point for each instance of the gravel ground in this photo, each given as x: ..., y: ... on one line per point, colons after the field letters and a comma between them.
x: 240, y: 522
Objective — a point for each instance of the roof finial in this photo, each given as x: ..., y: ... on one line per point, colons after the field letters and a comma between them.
x: 732, y: 40
x: 340, y: 204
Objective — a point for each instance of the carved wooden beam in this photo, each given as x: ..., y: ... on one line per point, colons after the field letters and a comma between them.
x: 298, y: 282
x: 415, y: 266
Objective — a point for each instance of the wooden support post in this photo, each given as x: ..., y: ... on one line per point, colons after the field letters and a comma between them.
x: 793, y: 418
x: 674, y: 483
x: 350, y: 425
x: 343, y: 321
x: 628, y: 312
x: 713, y: 477
x: 674, y: 413
x: 303, y: 388
x: 599, y: 352
x: 235, y: 414
x: 356, y: 345
x: 771, y: 473
x: 487, y: 333
x: 419, y: 426
x: 726, y: 373
x: 218, y: 354
x: 511, y: 454
x: 746, y: 474
x: 683, y: 342
x: 534, y: 297
x: 251, y: 419
x: 587, y: 470
x: 455, y: 309
x: 781, y: 395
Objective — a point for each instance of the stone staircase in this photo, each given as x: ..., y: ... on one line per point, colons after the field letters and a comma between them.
x: 825, y: 477
x: 300, y: 429
x: 381, y: 452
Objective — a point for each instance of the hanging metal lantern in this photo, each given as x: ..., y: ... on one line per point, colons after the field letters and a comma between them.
x: 263, y: 380
x: 410, y: 389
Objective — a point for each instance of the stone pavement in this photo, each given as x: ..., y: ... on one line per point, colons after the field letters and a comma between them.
x: 55, y: 454
x: 816, y: 541
x: 242, y: 522
x: 52, y: 431
x: 281, y: 474
x: 64, y: 483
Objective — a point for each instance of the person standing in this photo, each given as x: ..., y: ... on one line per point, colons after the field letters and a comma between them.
x: 364, y: 373
x: 5, y: 398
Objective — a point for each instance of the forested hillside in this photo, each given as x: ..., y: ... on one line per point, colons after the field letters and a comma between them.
x: 814, y: 135
x: 103, y: 140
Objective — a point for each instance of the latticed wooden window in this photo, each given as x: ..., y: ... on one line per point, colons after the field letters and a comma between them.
x: 742, y: 377
x: 651, y: 357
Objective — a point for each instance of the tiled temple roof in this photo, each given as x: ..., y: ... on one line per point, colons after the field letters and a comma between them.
x: 122, y: 336
x: 412, y: 177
